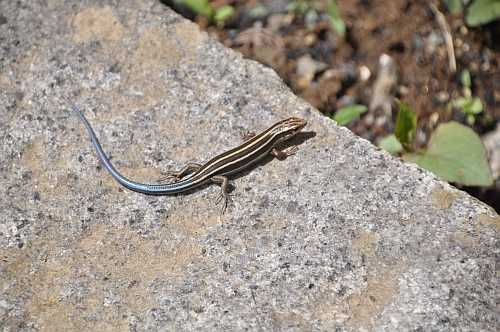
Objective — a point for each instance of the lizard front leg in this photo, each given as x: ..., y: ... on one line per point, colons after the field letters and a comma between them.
x: 282, y: 154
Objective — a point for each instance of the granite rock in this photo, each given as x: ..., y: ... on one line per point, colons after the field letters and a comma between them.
x: 339, y: 237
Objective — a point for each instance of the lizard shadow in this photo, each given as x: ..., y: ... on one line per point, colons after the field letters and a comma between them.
x: 298, y: 140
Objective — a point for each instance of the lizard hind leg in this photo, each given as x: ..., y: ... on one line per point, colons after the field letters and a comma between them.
x: 224, y: 196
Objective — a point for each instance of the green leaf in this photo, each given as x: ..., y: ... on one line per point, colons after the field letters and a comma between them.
x: 454, y: 6
x: 391, y: 144
x: 223, y: 13
x: 482, y: 12
x: 468, y: 105
x: 200, y: 7
x: 347, y: 114
x: 475, y: 106
x: 337, y: 22
x: 465, y: 78
x: 406, y: 125
x: 456, y: 154
x: 460, y: 102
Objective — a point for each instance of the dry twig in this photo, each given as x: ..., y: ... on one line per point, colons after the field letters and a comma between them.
x: 445, y: 29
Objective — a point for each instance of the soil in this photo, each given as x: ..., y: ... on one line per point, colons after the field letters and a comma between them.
x: 330, y: 71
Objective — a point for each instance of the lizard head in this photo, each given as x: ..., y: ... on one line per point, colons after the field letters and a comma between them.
x: 288, y: 128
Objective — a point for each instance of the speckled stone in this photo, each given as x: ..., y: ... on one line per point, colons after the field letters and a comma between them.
x: 339, y: 237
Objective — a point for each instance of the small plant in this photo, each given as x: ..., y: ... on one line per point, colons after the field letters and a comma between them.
x: 482, y: 11
x: 391, y: 144
x: 478, y: 12
x: 404, y: 133
x: 337, y: 22
x: 199, y: 7
x: 406, y: 125
x: 223, y: 13
x: 204, y: 8
x: 347, y: 114
x: 303, y: 7
x: 454, y: 153
x: 469, y: 105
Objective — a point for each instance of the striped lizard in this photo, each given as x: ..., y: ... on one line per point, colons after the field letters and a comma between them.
x: 215, y: 170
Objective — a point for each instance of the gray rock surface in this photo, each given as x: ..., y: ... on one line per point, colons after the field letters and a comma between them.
x: 340, y: 237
